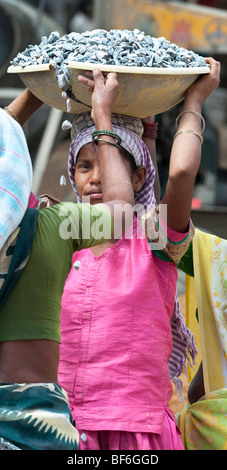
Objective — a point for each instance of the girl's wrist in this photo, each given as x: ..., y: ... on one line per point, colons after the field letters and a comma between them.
x: 194, y: 104
x: 103, y: 122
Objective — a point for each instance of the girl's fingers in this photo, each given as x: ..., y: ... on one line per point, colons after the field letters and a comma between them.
x: 215, y: 70
x: 86, y: 81
x: 111, y: 78
x: 98, y: 77
x: 215, y: 66
x: 207, y: 83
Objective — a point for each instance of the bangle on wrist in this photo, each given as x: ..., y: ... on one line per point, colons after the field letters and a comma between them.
x: 150, y: 129
x: 97, y: 133
x: 190, y: 131
x: 193, y: 112
x: 12, y: 114
x: 107, y: 142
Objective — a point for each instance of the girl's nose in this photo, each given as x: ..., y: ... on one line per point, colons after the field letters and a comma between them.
x: 95, y: 175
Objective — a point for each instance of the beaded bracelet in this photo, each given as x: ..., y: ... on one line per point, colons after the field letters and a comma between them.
x: 97, y: 140
x: 191, y: 132
x: 150, y: 129
x: 96, y: 134
x: 13, y: 115
x: 193, y: 112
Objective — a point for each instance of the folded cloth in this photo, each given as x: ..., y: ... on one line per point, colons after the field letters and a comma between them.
x: 15, y: 253
x: 15, y: 175
x: 36, y: 417
x: 204, y: 423
x: 184, y: 349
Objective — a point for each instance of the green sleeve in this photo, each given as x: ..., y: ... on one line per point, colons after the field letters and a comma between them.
x: 186, y: 262
x: 85, y: 225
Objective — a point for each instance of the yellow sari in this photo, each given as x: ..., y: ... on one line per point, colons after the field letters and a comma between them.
x: 204, y: 423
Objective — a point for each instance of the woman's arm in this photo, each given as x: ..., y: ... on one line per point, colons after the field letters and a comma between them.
x: 24, y: 106
x: 196, y: 388
x: 116, y: 183
x: 186, y: 151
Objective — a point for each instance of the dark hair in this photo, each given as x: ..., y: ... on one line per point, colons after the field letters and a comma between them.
x: 128, y: 156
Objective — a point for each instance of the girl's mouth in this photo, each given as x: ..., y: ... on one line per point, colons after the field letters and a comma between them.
x: 95, y: 194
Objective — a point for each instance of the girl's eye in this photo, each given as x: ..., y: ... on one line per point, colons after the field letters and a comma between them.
x: 83, y: 166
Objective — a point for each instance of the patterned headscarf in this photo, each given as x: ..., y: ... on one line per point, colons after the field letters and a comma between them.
x: 130, y: 130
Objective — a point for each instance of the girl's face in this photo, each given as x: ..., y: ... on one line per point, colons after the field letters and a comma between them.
x: 87, y: 174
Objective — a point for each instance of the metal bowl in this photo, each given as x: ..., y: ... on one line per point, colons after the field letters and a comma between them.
x: 143, y: 91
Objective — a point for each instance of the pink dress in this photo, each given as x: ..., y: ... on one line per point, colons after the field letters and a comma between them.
x: 116, y: 343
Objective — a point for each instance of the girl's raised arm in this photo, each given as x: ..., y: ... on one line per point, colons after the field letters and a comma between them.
x: 186, y: 150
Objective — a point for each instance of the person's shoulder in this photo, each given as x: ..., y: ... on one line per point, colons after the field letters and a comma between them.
x: 53, y: 207
x: 165, y: 242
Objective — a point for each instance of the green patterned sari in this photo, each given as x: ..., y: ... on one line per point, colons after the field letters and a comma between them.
x: 36, y: 417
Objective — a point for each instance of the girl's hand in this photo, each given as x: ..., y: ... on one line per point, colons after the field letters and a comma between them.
x: 204, y: 86
x: 104, y: 93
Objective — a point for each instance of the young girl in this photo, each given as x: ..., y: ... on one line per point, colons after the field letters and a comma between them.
x: 119, y: 297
